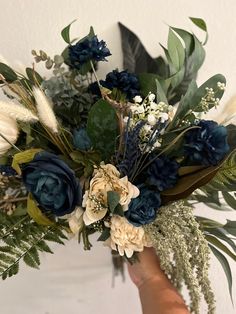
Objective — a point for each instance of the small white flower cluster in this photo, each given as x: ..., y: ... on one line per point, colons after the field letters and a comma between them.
x: 209, y: 98
x: 151, y: 112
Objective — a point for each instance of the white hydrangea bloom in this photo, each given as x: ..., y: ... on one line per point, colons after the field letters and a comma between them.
x: 126, y: 238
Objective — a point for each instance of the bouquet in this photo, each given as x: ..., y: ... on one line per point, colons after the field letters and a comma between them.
x: 126, y: 157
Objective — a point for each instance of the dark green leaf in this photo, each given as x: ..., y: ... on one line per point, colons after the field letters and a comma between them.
x: 225, y: 264
x: 201, y: 24
x: 113, y: 199
x: 102, y: 128
x: 9, y: 75
x: 135, y: 57
x: 65, y: 33
x: 105, y: 234
x: 33, y: 76
x: 213, y: 240
x: 176, y: 50
x: 230, y: 227
x: 118, y: 211
x: 230, y: 200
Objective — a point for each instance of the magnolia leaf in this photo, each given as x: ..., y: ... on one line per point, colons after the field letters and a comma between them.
x: 102, y: 128
x: 8, y: 74
x: 105, y: 234
x: 36, y: 214
x: 187, y: 184
x: 225, y: 264
x: 24, y: 157
x: 189, y: 169
x: 65, y: 33
x: 135, y: 57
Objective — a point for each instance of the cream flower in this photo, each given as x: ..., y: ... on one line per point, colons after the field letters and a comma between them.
x: 106, y: 178
x: 126, y: 238
x: 76, y: 220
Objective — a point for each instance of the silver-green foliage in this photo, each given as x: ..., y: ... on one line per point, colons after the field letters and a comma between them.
x: 23, y: 239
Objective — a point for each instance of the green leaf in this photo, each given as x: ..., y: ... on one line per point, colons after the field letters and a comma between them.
x: 230, y: 200
x: 219, y: 233
x: 201, y: 24
x: 160, y: 94
x: 176, y: 50
x: 23, y: 157
x: 184, y: 105
x: 148, y: 83
x: 105, y: 234
x: 187, y: 38
x: 225, y: 179
x: 30, y: 261
x: 230, y: 227
x: 225, y: 264
x: 118, y: 211
x: 42, y: 246
x: 9, y: 75
x: 36, y: 214
x: 201, y: 92
x: 213, y: 240
x: 33, y: 76
x: 65, y: 33
x: 102, y: 128
x: 113, y: 199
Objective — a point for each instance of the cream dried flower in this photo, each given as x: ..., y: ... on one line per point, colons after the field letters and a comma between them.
x: 106, y: 178
x: 126, y: 238
x: 17, y: 112
x: 9, y: 130
x: 76, y: 220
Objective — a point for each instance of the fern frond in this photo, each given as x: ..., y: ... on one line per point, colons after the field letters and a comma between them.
x: 225, y: 179
x: 22, y: 239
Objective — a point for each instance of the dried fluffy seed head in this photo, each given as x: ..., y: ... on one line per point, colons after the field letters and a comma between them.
x: 17, y: 112
x: 45, y: 112
x: 183, y: 252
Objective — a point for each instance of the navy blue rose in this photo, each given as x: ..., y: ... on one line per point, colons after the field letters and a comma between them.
x: 89, y: 49
x: 52, y: 183
x: 81, y: 139
x: 127, y: 83
x: 206, y: 145
x: 143, y: 209
x: 162, y: 173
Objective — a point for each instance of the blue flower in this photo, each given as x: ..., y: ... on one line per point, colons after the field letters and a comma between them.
x: 89, y: 49
x: 206, y: 145
x: 143, y: 209
x: 81, y: 139
x: 162, y: 173
x: 127, y: 83
x: 52, y: 183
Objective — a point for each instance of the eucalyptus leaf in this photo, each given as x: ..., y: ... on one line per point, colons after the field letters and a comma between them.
x: 160, y: 94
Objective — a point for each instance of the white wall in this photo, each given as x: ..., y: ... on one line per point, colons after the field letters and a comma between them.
x: 72, y: 281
